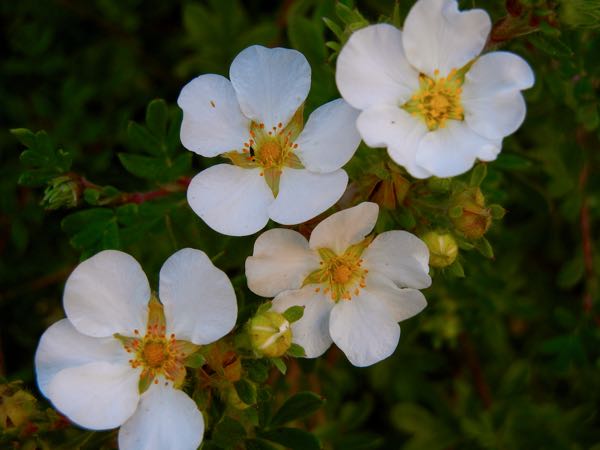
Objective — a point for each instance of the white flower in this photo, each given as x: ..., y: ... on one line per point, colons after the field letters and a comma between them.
x: 117, y: 359
x: 279, y: 170
x: 355, y: 289
x: 427, y: 96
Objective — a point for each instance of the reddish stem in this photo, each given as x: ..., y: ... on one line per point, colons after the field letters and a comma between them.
x: 474, y: 364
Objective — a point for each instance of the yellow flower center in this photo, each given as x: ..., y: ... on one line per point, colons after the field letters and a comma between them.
x: 438, y: 99
x: 340, y: 276
x: 270, y: 150
x: 269, y: 154
x: 155, y: 353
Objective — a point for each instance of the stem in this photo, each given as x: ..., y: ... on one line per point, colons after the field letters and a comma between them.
x: 132, y: 197
x: 169, y: 226
x: 587, y: 243
x: 474, y: 364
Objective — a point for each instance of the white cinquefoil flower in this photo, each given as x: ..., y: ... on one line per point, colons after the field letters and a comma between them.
x: 279, y: 170
x: 118, y: 358
x: 427, y: 96
x: 354, y: 289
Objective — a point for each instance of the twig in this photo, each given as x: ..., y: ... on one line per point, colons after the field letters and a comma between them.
x: 586, y: 242
x: 132, y: 197
x: 474, y: 364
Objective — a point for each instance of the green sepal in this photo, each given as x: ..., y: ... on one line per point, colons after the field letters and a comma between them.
x: 294, y: 313
x: 146, y: 378
x: 296, y: 351
x: 195, y: 361
x: 272, y: 178
x: 278, y: 362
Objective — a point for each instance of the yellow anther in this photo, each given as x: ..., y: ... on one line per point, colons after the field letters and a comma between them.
x: 437, y: 100
x: 154, y: 354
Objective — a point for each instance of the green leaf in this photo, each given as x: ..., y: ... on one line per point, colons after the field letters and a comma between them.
x: 92, y: 230
x: 307, y: 38
x: 278, y: 362
x: 334, y: 27
x: 351, y: 17
x: 245, y: 391
x: 294, y: 313
x: 140, y: 138
x: 25, y: 136
x: 297, y: 407
x: 257, y: 369
x: 157, y: 114
x: 147, y: 167
x: 551, y: 45
x: 259, y: 444
x: 293, y: 438
x: 571, y: 272
x: 511, y: 161
x: 43, y: 162
x: 228, y: 432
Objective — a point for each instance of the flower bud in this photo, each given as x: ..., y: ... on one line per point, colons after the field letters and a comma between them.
x: 234, y: 399
x: 61, y: 192
x: 473, y: 218
x: 270, y: 334
x: 443, y: 249
x: 17, y: 406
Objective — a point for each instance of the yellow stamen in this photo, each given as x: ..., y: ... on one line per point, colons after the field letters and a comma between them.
x: 438, y: 99
x: 154, y: 354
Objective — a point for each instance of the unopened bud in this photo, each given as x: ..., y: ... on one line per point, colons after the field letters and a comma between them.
x: 61, y: 192
x: 234, y: 399
x: 474, y: 218
x: 270, y: 334
x: 443, y: 248
x: 17, y: 406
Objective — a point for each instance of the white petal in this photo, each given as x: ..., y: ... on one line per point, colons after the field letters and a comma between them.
x: 402, y: 304
x: 400, y: 256
x: 312, y: 330
x: 212, y: 120
x: 281, y: 261
x: 270, y: 83
x: 496, y: 73
x: 344, y: 228
x: 166, y: 419
x: 199, y: 300
x: 329, y: 138
x: 230, y: 199
x: 452, y: 150
x: 304, y: 194
x: 106, y: 294
x: 363, y: 329
x: 392, y: 127
x: 372, y: 68
x: 493, y: 105
x: 497, y: 116
x: 62, y: 346
x: 437, y: 36
x: 98, y: 395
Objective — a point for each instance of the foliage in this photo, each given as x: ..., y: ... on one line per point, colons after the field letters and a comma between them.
x: 506, y: 356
